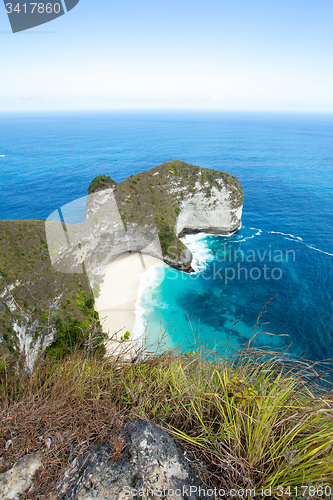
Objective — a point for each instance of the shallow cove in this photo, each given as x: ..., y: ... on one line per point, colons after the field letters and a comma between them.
x: 234, y: 277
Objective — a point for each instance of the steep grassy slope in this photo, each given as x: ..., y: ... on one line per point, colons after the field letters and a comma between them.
x: 248, y: 421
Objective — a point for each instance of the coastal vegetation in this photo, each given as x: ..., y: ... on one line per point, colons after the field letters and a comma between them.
x: 38, y: 299
x: 253, y: 420
x: 99, y: 183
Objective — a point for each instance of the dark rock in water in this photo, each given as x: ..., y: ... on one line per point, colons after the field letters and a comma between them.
x: 152, y: 466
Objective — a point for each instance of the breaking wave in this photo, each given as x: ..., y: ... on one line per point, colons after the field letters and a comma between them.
x: 202, y: 254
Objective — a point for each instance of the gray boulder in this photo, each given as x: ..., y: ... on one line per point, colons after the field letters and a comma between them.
x: 18, y: 479
x: 152, y: 466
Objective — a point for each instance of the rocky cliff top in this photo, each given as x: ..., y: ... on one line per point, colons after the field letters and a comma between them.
x: 99, y: 183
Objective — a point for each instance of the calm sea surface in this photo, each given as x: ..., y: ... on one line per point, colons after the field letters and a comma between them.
x: 284, y: 248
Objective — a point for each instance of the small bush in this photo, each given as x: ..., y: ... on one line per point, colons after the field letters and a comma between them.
x: 99, y: 183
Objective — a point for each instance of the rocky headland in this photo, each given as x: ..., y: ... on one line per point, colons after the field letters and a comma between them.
x: 147, y: 212
x: 49, y: 277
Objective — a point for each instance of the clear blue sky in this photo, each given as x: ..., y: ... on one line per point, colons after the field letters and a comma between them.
x: 215, y: 54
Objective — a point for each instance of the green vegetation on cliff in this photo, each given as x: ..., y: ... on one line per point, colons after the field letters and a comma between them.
x: 99, y: 183
x: 33, y: 295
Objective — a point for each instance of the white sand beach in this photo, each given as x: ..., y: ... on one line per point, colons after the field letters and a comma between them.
x: 116, y: 301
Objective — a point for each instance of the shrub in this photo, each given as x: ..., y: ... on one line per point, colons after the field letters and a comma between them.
x: 99, y: 183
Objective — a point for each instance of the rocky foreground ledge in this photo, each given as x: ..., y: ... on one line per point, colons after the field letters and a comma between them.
x: 151, y: 464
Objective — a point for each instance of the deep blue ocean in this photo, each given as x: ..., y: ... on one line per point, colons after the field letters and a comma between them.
x: 285, y: 165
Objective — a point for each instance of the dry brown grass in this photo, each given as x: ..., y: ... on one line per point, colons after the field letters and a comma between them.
x: 248, y: 421
x: 63, y: 405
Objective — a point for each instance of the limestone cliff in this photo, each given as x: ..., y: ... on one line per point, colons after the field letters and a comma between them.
x: 147, y: 213
x: 176, y: 198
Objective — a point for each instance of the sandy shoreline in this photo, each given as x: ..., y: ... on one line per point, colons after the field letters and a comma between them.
x: 116, y: 301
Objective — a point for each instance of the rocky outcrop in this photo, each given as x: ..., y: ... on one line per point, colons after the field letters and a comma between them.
x: 176, y: 198
x: 152, y: 465
x: 18, y: 479
x: 146, y: 213
x: 28, y: 343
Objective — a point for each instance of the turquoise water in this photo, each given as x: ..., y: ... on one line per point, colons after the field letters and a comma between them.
x: 285, y: 165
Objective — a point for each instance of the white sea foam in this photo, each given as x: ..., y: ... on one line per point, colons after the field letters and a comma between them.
x: 202, y: 254
x: 292, y: 237
x: 287, y: 234
x: 318, y: 250
x: 148, y: 280
x: 247, y: 238
x: 151, y: 278
x: 230, y: 234
x: 258, y: 233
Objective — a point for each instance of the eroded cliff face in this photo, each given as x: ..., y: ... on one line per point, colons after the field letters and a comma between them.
x: 25, y: 330
x: 214, y: 215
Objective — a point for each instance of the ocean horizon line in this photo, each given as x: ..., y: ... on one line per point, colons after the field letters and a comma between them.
x: 168, y: 110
